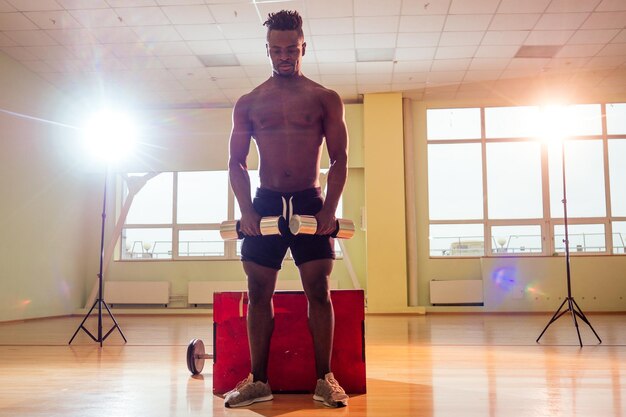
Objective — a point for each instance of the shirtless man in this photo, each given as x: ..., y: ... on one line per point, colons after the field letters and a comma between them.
x: 288, y: 116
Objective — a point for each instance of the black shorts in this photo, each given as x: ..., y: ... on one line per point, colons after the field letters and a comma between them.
x: 270, y: 251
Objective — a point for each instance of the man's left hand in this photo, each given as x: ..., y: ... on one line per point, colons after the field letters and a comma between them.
x: 326, y: 223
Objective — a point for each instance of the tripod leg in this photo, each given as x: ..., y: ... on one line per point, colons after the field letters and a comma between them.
x: 582, y: 316
x: 571, y: 309
x: 114, y: 321
x: 80, y: 326
x: 554, y: 318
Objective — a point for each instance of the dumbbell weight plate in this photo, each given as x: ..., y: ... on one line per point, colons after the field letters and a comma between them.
x: 195, y: 356
x: 345, y: 229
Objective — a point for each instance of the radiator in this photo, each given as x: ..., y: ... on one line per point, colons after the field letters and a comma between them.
x: 201, y: 292
x: 137, y: 292
x: 456, y: 292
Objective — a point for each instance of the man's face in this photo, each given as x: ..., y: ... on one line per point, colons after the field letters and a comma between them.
x: 285, y: 50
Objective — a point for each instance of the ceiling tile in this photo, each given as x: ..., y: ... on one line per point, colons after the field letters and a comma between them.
x: 6, y: 41
x: 445, y: 77
x: 611, y: 6
x: 412, y: 66
x: 593, y: 36
x: 548, y: 37
x: 526, y: 63
x: 383, y: 24
x: 337, y: 56
x: 337, y: 68
x: 115, y: 35
x: 96, y: 18
x: 416, y: 40
x: 605, y: 20
x: 377, y: 8
x: 486, y: 64
x: 143, y: 62
x: 6, y: 7
x: 450, y: 64
x: 59, y: 19
x: 50, y: 52
x: 586, y: 50
x: 337, y: 26
x: 567, y: 6
x: 38, y: 66
x: 505, y: 37
x: 373, y: 77
x: 169, y: 48
x: 252, y: 59
x: 19, y: 53
x: 379, y: 40
x: 526, y: 6
x: 210, y: 47
x: 122, y: 50
x: 421, y: 8
x: 333, y: 42
x: 157, y: 33
x: 415, y: 54
x: 83, y: 4
x: 338, y: 79
x: 455, y: 52
x: 374, y: 67
x: 142, y: 16
x: 461, y: 23
x: 244, y: 46
x: 242, y: 30
x: 422, y: 23
x: 460, y: 38
x: 409, y: 77
x: 234, y: 13
x: 188, y: 15
x: 15, y: 21
x: 229, y: 72
x: 621, y: 38
x: 199, y: 32
x: 473, y: 7
x: 188, y: 61
x: 520, y: 21
x: 496, y: 51
x: 561, y: 21
x: 34, y: 5
x: 328, y: 9
x: 31, y: 37
x: 606, y: 61
x: 613, y: 49
x: 131, y: 3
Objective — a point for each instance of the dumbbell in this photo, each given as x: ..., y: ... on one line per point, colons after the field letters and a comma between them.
x: 307, y: 225
x: 196, y: 355
x: 230, y: 229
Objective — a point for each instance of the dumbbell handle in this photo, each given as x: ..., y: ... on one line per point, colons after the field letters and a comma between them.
x: 230, y: 229
x: 307, y: 225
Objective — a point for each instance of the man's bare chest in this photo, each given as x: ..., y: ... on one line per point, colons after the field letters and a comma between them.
x: 270, y: 113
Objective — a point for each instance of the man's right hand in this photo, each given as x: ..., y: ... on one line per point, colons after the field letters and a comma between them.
x: 250, y: 224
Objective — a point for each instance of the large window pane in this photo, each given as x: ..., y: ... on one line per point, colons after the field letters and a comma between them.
x: 617, y: 176
x: 514, y: 180
x: 619, y: 237
x: 616, y: 118
x: 455, y: 187
x: 153, y: 243
x: 511, y: 122
x: 202, y: 197
x: 457, y: 240
x: 153, y: 203
x: 584, y: 119
x: 516, y: 239
x: 453, y: 123
x: 582, y: 238
x: 584, y: 165
x: 200, y: 243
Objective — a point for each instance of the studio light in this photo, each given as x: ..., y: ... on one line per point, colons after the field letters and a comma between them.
x: 110, y: 135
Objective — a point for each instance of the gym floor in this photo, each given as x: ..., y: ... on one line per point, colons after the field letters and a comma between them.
x: 456, y: 365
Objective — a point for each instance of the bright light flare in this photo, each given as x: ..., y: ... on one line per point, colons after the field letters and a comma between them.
x: 110, y: 135
x: 554, y: 123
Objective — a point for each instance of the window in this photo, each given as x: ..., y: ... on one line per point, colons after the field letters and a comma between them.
x: 177, y: 215
x: 499, y: 189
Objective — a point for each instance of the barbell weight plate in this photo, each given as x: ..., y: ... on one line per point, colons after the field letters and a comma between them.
x: 195, y: 356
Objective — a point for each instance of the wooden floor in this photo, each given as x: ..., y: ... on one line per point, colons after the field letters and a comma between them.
x: 433, y: 365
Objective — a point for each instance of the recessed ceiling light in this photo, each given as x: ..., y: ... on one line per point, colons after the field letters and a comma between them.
x: 538, y: 51
x: 220, y: 60
x: 375, y: 54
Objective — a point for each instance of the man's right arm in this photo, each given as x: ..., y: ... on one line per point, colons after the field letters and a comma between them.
x: 240, y: 137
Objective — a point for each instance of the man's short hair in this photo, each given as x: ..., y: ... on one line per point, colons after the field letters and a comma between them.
x: 284, y: 20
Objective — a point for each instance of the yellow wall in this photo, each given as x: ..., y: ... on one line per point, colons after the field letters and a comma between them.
x: 384, y: 201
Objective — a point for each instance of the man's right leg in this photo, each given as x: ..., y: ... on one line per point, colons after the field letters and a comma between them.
x: 261, y: 285
x: 255, y: 388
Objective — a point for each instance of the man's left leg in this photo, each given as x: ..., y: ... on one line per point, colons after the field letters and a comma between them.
x: 315, y: 277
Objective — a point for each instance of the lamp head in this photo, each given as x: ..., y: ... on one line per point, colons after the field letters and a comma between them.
x: 110, y: 135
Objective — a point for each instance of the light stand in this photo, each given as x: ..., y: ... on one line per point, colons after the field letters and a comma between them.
x: 100, y: 299
x: 572, y: 306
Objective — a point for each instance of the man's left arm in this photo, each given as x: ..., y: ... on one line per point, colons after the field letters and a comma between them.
x: 336, y: 135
